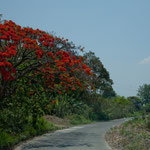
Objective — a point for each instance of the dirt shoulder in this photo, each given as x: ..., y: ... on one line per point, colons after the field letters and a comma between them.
x: 131, y: 135
x: 59, y: 122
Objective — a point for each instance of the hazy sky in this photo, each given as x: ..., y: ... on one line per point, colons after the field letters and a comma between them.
x: 118, y: 31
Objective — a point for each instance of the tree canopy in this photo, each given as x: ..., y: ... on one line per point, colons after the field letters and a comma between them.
x: 39, y: 57
x: 101, y: 81
x: 144, y: 93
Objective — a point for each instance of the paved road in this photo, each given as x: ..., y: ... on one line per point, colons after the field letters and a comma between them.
x: 85, y: 137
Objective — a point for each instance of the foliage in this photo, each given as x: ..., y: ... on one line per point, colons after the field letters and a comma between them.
x: 109, y: 92
x: 8, y: 139
x: 136, y: 101
x: 105, y: 109
x: 146, y: 108
x: 101, y: 81
x: 78, y: 119
x: 66, y: 105
x: 144, y: 93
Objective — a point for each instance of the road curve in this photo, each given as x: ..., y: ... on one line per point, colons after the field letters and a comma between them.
x: 85, y: 137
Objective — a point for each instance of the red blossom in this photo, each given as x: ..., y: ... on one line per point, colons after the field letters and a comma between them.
x: 50, y: 54
x: 8, y: 64
x: 45, y: 44
x: 39, y: 53
x: 2, y: 64
x: 73, y: 88
x: 84, y: 66
x: 52, y: 45
x: 54, y: 101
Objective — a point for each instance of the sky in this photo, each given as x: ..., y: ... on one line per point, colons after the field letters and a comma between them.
x: 117, y: 31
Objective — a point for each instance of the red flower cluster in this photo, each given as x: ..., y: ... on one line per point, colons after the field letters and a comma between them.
x: 19, y: 44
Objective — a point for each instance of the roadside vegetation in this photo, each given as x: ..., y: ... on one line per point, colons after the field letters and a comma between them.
x: 134, y: 134
x: 45, y: 75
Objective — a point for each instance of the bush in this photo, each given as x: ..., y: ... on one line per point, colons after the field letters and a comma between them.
x: 78, y: 119
x: 106, y: 109
x: 43, y: 126
x: 13, y: 120
x: 8, y: 139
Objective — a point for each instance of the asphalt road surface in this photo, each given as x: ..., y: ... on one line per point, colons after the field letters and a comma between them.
x: 85, y: 137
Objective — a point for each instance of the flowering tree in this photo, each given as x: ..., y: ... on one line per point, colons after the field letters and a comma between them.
x: 38, y: 56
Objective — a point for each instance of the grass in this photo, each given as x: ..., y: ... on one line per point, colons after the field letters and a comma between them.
x: 8, y: 140
x: 78, y: 119
x: 132, y: 135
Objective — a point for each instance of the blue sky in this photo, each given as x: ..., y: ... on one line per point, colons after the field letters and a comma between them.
x: 118, y: 31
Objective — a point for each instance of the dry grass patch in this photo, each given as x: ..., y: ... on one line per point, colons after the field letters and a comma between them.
x: 132, y: 135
